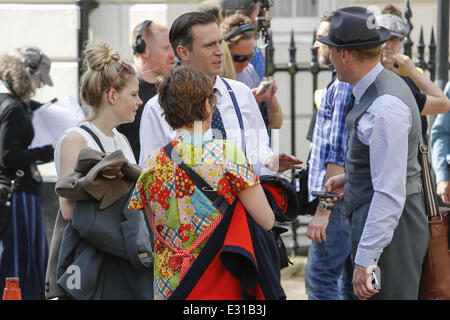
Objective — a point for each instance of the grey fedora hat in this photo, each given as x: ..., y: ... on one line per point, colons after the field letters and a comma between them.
x: 355, y: 28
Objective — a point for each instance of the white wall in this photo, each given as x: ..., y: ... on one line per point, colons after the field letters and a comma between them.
x: 53, y: 28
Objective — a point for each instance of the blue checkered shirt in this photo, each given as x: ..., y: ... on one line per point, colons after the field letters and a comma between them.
x: 329, y: 143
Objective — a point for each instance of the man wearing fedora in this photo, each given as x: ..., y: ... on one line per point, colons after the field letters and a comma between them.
x: 381, y: 186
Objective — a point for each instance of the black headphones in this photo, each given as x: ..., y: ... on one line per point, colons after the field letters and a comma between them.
x: 241, y: 29
x: 34, y: 66
x: 139, y: 43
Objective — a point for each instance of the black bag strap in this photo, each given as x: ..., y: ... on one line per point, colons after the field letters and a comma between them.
x: 94, y: 136
x: 219, y: 201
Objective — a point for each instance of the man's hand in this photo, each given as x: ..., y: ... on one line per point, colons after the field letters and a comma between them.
x: 318, y: 225
x: 443, y: 190
x: 362, y: 284
x: 335, y: 185
x: 265, y: 92
x: 282, y: 162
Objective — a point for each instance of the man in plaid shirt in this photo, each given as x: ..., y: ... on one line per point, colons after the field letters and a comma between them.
x: 328, y: 269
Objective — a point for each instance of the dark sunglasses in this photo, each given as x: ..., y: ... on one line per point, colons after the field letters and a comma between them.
x: 239, y: 59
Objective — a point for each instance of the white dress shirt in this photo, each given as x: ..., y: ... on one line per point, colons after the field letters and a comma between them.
x: 384, y: 127
x: 155, y: 132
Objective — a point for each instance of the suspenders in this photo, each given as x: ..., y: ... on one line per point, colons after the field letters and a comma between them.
x: 238, y: 114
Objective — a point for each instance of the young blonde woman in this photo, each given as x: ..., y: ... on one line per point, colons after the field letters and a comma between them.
x: 109, y: 266
x: 109, y: 94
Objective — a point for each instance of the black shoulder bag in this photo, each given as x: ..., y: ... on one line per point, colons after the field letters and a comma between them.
x: 300, y: 184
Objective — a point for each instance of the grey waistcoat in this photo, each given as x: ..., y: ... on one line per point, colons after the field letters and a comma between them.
x: 358, y: 184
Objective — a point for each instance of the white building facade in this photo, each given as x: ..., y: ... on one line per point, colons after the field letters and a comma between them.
x: 52, y: 25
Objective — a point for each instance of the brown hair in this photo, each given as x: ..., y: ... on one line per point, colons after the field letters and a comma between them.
x: 103, y: 69
x: 392, y: 10
x: 232, y: 22
x: 367, y: 54
x: 182, y: 94
x: 180, y: 33
x: 364, y: 54
x: 14, y: 71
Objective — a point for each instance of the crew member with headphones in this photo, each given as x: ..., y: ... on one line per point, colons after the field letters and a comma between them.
x: 153, y: 56
x: 23, y: 245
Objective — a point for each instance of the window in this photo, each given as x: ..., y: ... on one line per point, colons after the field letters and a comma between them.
x: 295, y: 8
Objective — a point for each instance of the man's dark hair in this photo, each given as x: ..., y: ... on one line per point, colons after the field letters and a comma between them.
x: 180, y: 32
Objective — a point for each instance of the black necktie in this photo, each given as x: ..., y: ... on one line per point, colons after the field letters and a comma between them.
x: 350, y: 104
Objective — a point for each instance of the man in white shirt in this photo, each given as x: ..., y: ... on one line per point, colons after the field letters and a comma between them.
x: 381, y: 186
x: 196, y: 40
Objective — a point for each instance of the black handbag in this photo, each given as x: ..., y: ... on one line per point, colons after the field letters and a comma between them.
x: 300, y: 184
x: 6, y: 191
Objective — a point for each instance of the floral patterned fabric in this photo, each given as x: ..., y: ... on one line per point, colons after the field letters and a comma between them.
x: 180, y: 210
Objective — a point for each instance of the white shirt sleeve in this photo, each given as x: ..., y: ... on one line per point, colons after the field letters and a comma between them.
x: 154, y: 131
x: 257, y: 138
x: 384, y: 128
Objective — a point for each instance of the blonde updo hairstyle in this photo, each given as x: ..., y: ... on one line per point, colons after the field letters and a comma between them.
x: 101, y: 66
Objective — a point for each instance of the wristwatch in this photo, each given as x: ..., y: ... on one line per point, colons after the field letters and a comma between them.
x: 324, y: 206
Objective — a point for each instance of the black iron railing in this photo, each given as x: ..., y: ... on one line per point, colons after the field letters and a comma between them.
x: 314, y: 68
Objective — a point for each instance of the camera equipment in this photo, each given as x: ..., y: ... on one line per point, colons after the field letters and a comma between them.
x: 264, y: 20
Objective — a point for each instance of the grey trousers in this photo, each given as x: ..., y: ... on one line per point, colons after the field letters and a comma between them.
x: 401, y: 261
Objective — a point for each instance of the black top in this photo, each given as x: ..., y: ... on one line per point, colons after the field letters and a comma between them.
x: 420, y: 100
x: 16, y: 134
x: 131, y: 130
